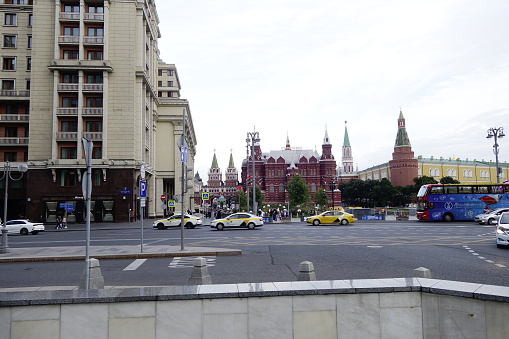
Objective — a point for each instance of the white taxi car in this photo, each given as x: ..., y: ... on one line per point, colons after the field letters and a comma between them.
x: 24, y: 226
x: 237, y: 220
x: 190, y: 221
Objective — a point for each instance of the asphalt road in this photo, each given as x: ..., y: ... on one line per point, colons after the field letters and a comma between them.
x: 461, y: 251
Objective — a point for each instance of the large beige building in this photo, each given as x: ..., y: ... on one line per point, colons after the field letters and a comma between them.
x: 89, y: 69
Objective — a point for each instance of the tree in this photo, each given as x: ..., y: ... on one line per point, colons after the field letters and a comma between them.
x: 321, y: 197
x: 449, y: 180
x: 424, y: 180
x: 298, y: 191
x: 241, y: 199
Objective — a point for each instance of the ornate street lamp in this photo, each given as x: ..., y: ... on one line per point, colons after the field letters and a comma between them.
x: 496, y: 133
x: 254, y: 137
x: 22, y: 168
x: 332, y: 186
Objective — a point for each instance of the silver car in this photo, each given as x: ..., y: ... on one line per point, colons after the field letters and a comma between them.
x: 491, y: 217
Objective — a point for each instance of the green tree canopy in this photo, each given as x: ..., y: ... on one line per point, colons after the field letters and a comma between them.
x: 298, y: 191
x: 449, y: 180
x: 424, y: 180
x: 241, y: 199
x: 321, y: 197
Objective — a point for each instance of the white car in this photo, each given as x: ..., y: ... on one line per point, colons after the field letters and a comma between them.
x: 24, y: 226
x: 175, y: 220
x: 491, y: 217
x: 503, y: 230
x: 237, y: 220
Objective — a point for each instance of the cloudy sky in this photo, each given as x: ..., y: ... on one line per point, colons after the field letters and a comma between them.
x: 298, y: 67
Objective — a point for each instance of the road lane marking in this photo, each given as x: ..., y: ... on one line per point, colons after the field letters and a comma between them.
x: 180, y: 262
x: 135, y: 264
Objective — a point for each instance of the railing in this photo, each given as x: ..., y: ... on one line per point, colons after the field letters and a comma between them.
x: 93, y: 39
x: 69, y: 16
x: 92, y: 87
x: 69, y: 38
x: 67, y: 135
x: 94, y: 16
x: 17, y: 2
x: 93, y: 135
x: 14, y: 141
x: 14, y: 93
x: 67, y: 111
x: 14, y: 117
x: 92, y: 111
x: 67, y: 87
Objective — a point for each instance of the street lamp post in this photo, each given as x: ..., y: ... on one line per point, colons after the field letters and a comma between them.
x: 496, y: 133
x: 254, y: 137
x: 22, y: 168
x: 332, y: 186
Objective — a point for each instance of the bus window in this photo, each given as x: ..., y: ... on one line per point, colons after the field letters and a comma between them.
x: 497, y: 189
x: 480, y: 189
x: 437, y: 190
x: 465, y: 189
x: 451, y: 189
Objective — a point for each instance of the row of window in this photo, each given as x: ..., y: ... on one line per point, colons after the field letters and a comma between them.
x: 89, y: 102
x: 14, y: 157
x: 467, y: 173
x: 11, y: 19
x: 73, y: 54
x: 72, y: 126
x: 71, y: 152
x: 169, y: 83
x: 12, y: 132
x: 167, y: 72
x: 75, y: 31
x: 282, y: 188
x: 8, y: 85
x: 76, y: 9
x: 10, y: 41
x: 73, y: 78
x: 9, y: 63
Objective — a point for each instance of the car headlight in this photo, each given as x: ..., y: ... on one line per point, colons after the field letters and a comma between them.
x: 501, y: 230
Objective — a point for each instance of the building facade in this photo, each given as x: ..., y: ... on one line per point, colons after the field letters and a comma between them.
x: 221, y: 192
x: 92, y: 71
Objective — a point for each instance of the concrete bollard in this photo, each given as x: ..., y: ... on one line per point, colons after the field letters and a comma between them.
x: 306, y: 271
x: 95, y: 278
x: 422, y: 272
x: 200, y: 274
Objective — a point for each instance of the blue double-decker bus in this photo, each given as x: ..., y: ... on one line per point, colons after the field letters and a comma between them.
x: 450, y: 202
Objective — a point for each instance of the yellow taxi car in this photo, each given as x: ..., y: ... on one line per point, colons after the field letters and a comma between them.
x: 237, y: 220
x: 331, y: 217
x: 190, y: 221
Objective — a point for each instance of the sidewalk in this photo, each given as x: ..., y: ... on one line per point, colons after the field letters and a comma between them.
x: 107, y: 252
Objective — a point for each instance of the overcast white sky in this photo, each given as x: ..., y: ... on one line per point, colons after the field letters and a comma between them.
x: 297, y: 66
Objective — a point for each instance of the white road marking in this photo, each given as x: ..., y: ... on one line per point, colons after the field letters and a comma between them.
x: 179, y: 262
x: 135, y: 264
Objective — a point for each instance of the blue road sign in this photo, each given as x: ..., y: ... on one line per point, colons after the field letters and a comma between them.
x: 183, y: 154
x: 143, y: 189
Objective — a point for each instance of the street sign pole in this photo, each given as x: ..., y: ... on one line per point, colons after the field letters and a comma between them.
x: 88, y: 146
x: 143, y: 195
x: 183, y: 180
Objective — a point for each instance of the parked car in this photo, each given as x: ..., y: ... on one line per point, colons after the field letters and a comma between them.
x: 331, y: 217
x: 491, y: 217
x: 237, y: 220
x: 24, y: 226
x: 190, y: 221
x: 503, y: 230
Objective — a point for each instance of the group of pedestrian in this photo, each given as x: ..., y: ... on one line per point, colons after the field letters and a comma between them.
x: 61, y: 223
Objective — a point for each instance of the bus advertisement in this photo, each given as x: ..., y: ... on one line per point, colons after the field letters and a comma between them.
x: 450, y: 202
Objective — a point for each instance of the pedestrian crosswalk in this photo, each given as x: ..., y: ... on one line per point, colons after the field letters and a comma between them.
x: 177, y: 262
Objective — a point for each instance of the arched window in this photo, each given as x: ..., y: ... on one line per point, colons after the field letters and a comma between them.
x: 271, y: 188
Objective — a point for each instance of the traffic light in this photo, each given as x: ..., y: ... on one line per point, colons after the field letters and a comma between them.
x: 188, y: 176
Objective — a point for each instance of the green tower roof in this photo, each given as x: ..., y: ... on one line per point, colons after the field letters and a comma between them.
x: 402, y: 139
x: 346, y: 141
x: 214, y: 162
x: 231, y: 164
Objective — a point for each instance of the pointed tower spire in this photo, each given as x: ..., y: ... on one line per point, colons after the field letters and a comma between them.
x: 287, y: 142
x: 402, y: 139
x: 326, y: 140
x: 403, y: 166
x: 231, y: 164
x: 346, y: 140
x: 214, y: 161
x: 347, y: 157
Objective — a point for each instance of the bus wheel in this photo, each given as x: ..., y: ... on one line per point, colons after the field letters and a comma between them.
x: 448, y: 217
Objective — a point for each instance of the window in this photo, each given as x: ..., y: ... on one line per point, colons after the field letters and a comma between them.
x: 29, y: 63
x: 70, y: 54
x: 160, y: 72
x: 170, y: 83
x: 94, y: 126
x: 96, y: 177
x: 28, y: 85
x: 160, y: 83
x: 69, y: 126
x: 313, y: 187
x: 95, y: 55
x: 94, y: 78
x: 10, y: 156
x: 7, y: 84
x: 95, y: 9
x: 69, y: 102
x: 68, y: 178
x: 9, y: 41
x: 170, y: 94
x: 467, y: 173
x: 30, y: 19
x: 68, y: 153
x: 169, y: 73
x: 29, y: 44
x: 69, y: 78
x: 10, y: 19
x: 97, y: 153
x: 95, y: 31
x: 71, y: 9
x: 271, y: 188
x: 11, y: 132
x: 9, y: 63
x: 11, y: 109
x: 71, y: 31
x: 94, y: 102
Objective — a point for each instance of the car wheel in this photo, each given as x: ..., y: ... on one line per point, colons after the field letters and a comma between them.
x: 189, y: 225
x: 23, y: 231
x: 491, y: 221
x: 448, y: 217
x: 220, y: 227
x: 251, y: 226
x: 35, y: 232
x: 316, y: 222
x: 344, y: 222
x: 160, y: 226
x: 502, y: 246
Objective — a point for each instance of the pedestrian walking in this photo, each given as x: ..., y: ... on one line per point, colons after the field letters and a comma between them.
x: 59, y: 223
x: 64, y: 222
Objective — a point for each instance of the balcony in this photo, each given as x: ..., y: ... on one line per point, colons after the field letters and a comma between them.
x: 67, y: 136
x: 67, y: 87
x: 93, y: 17
x: 92, y: 111
x: 94, y: 136
x: 93, y: 40
x: 17, y: 2
x: 14, y: 117
x: 13, y: 141
x: 68, y: 39
x: 92, y: 87
x: 69, y: 16
x: 67, y: 111
x: 13, y: 93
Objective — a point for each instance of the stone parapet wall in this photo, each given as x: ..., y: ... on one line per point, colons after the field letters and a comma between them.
x: 386, y: 308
